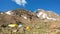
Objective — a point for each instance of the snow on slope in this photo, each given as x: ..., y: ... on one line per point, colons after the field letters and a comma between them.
x: 41, y: 13
x: 24, y: 16
x: 1, y: 13
x: 44, y: 15
x: 9, y: 12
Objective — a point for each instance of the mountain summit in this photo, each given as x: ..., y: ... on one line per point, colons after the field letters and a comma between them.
x: 39, y: 22
x: 47, y: 14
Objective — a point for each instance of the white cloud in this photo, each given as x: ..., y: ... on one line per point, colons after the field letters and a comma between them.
x: 20, y: 2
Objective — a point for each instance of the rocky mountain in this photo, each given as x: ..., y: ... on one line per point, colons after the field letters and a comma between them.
x: 40, y: 22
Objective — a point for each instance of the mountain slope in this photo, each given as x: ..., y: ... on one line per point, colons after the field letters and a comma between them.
x: 40, y: 22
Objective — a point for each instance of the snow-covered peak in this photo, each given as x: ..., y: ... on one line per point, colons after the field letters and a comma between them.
x: 9, y: 12
x: 41, y: 14
x: 45, y: 16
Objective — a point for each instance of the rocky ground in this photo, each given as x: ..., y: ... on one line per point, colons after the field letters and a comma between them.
x: 40, y: 22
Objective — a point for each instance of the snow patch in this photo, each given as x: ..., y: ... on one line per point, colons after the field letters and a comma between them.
x: 44, y: 15
x: 8, y: 12
x: 24, y: 16
x: 1, y: 13
x: 41, y: 14
x: 51, y: 18
x: 38, y: 14
x: 20, y: 25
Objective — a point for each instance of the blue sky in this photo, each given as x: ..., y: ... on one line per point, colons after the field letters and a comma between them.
x: 52, y: 5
